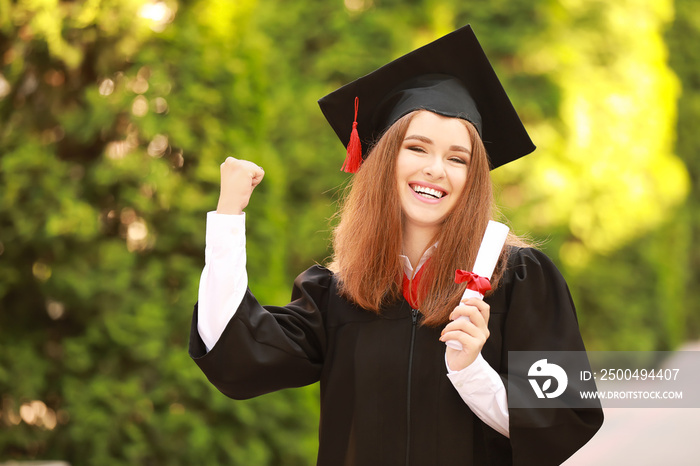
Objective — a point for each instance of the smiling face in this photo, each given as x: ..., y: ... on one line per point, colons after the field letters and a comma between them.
x: 431, y: 170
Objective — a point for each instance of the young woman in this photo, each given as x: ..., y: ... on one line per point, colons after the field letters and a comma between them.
x: 372, y: 326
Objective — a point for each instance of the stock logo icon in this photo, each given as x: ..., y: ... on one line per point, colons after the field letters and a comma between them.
x: 542, y: 370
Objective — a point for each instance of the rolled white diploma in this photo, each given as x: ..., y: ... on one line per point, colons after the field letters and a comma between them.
x: 486, y: 259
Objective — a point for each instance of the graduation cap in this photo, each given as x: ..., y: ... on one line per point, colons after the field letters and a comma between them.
x: 451, y: 77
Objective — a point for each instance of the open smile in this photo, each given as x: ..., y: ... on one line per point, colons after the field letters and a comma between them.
x: 427, y: 192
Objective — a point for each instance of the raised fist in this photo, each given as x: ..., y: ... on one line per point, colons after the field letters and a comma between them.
x: 238, y: 179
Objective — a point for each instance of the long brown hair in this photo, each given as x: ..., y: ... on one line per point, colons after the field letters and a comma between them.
x: 368, y: 240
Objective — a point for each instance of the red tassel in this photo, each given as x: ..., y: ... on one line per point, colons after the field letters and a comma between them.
x: 353, y: 159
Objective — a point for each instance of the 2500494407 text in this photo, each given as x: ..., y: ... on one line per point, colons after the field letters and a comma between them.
x: 630, y: 374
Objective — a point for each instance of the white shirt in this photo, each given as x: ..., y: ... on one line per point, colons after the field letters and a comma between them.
x: 224, y: 282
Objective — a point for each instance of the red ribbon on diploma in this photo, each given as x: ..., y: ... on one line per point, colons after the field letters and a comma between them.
x: 474, y: 281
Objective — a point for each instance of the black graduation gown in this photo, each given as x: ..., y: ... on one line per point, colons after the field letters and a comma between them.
x: 385, y: 396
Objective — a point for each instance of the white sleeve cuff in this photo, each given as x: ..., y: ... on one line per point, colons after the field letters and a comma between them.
x: 224, y: 231
x: 482, y: 389
x: 224, y: 279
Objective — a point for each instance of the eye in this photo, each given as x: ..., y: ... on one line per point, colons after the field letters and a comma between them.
x: 416, y: 149
x: 459, y: 160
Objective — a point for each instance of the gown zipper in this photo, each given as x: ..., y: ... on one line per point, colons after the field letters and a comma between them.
x: 414, y: 316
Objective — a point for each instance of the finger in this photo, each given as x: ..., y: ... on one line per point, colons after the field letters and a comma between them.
x: 479, y: 303
x: 467, y: 310
x: 483, y: 307
x: 257, y: 175
x: 229, y: 161
x: 250, y: 167
x: 464, y: 326
x: 467, y: 328
x: 469, y: 342
x: 475, y: 323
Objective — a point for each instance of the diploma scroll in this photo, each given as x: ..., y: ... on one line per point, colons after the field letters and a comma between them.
x: 486, y: 259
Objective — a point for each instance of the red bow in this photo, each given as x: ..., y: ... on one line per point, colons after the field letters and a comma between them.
x: 474, y: 281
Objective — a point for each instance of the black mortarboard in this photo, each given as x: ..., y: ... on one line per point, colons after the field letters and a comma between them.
x: 450, y: 76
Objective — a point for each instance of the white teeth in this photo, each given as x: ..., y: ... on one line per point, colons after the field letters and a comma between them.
x: 429, y: 191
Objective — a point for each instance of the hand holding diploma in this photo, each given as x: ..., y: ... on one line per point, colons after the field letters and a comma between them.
x: 468, y: 331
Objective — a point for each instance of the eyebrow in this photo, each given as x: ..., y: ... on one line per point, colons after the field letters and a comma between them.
x: 426, y: 140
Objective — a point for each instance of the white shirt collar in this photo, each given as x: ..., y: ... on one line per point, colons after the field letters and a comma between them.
x: 408, y: 269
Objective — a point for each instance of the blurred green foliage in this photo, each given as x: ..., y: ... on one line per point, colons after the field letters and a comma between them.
x: 115, y: 116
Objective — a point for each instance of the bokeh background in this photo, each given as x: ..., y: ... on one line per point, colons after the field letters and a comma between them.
x: 115, y: 116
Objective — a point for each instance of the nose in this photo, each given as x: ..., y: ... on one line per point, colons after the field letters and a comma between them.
x: 434, y: 168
